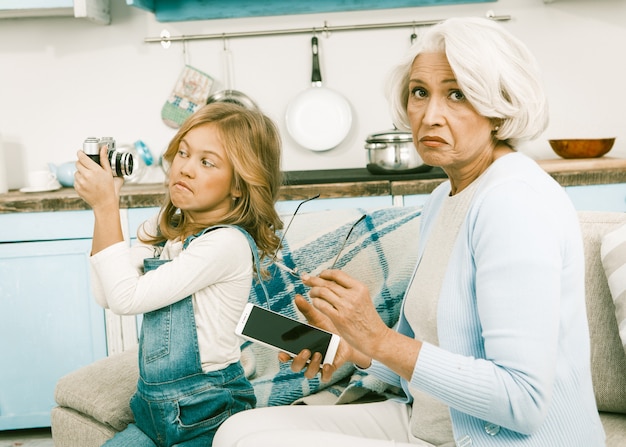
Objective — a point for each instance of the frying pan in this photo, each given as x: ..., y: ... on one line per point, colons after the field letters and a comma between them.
x: 318, y: 118
x: 228, y: 94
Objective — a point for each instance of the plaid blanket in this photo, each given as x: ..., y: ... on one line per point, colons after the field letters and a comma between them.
x: 380, y: 252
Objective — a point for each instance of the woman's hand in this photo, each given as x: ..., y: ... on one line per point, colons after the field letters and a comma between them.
x: 95, y: 184
x: 347, y: 304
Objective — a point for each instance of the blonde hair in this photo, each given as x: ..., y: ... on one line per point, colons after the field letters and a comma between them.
x: 496, y: 72
x: 252, y: 144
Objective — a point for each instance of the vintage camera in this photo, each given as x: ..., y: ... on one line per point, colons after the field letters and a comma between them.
x: 122, y: 163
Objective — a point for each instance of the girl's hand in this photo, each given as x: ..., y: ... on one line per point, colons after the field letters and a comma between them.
x: 95, y: 184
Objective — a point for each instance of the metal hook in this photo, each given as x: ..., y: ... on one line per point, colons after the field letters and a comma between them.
x: 414, y: 34
x: 326, y: 30
x: 224, y: 42
x: 185, y: 52
x: 165, y: 39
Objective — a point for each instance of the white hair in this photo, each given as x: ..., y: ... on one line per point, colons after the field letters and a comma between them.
x: 495, y: 71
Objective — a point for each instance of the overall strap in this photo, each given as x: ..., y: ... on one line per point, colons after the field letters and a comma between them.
x: 253, y: 247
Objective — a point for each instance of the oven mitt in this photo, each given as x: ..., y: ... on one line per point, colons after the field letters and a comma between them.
x: 190, y: 93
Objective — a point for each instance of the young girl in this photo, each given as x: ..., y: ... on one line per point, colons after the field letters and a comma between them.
x: 218, y: 217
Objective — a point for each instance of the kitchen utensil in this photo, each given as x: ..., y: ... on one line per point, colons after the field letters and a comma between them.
x: 393, y: 151
x: 229, y: 94
x: 64, y: 172
x: 318, y: 118
x: 582, y: 148
x: 144, y: 152
x: 189, y: 94
x: 41, y: 180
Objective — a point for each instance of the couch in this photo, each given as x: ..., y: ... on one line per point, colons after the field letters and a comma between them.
x: 92, y: 402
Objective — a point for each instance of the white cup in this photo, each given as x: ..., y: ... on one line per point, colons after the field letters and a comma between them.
x: 42, y: 179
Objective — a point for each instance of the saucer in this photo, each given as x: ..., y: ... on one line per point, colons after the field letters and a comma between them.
x: 53, y: 187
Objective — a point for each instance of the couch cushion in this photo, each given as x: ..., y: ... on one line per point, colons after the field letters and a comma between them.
x: 102, y: 390
x: 615, y: 429
x: 608, y: 360
x: 73, y: 429
x: 613, y: 253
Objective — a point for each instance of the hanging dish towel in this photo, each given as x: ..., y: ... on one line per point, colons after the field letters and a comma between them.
x: 190, y: 93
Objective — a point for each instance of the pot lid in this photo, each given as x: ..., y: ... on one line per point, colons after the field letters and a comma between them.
x: 390, y: 136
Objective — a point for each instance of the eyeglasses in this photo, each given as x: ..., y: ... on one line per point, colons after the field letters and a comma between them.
x: 346, y: 239
x: 295, y: 271
x: 280, y: 265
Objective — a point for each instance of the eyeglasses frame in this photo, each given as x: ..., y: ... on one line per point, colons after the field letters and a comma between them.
x: 295, y: 271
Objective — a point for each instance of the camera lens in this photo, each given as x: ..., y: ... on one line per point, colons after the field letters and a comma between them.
x: 122, y: 163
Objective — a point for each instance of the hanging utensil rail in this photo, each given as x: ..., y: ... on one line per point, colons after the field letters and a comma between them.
x: 165, y: 39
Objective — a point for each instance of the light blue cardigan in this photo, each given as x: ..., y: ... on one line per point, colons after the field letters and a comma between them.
x: 513, y: 361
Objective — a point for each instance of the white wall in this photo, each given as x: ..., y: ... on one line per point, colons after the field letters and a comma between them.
x: 63, y: 79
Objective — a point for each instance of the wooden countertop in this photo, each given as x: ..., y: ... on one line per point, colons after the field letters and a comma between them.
x: 300, y: 185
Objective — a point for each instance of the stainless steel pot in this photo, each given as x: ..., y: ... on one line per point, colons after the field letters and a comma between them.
x: 393, y: 151
x: 234, y: 97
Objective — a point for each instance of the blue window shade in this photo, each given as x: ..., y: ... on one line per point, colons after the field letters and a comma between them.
x: 176, y: 10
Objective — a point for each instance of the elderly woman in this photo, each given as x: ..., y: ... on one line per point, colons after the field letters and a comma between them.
x: 492, y: 346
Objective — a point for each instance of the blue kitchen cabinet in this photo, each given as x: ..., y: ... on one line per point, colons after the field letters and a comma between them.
x: 415, y: 199
x: 610, y: 197
x: 136, y: 217
x: 50, y: 324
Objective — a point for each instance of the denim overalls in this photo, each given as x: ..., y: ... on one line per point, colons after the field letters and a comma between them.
x: 176, y: 403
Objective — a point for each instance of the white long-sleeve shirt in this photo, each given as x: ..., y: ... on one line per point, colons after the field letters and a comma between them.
x: 216, y: 269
